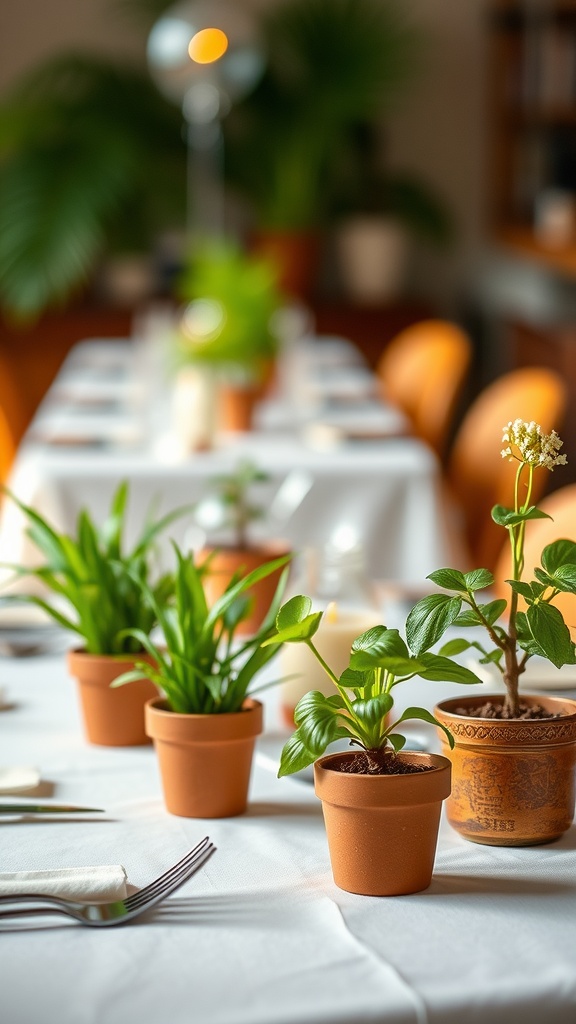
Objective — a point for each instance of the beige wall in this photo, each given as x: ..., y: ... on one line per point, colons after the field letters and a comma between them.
x: 437, y: 129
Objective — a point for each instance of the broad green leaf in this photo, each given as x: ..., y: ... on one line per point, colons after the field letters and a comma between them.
x: 493, y: 610
x: 551, y: 633
x: 449, y: 579
x: 565, y: 578
x: 441, y: 669
x: 293, y: 612
x: 478, y: 579
x: 354, y: 680
x: 522, y: 588
x: 396, y: 740
x: 456, y: 646
x: 371, y: 712
x: 375, y: 647
x: 425, y: 716
x: 509, y: 517
x: 560, y: 552
x: 295, y: 756
x: 468, y: 618
x: 300, y: 631
x: 317, y: 721
x: 429, y: 619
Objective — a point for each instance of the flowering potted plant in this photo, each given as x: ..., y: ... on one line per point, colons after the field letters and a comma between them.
x: 381, y: 807
x: 237, y: 510
x: 513, y: 761
x: 205, y: 724
x: 97, y: 595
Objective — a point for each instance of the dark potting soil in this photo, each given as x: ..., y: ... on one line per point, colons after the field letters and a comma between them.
x: 494, y: 709
x: 364, y: 764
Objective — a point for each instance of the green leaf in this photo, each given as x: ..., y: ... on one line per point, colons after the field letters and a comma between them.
x: 449, y: 579
x: 560, y: 552
x: 551, y: 633
x: 354, y: 680
x: 295, y: 756
x: 396, y: 740
x: 425, y: 716
x: 293, y: 612
x: 317, y: 719
x: 375, y: 647
x: 456, y: 646
x: 522, y: 588
x: 370, y: 713
x: 468, y: 618
x: 565, y: 579
x: 509, y: 517
x: 429, y: 620
x: 442, y: 669
x: 478, y: 579
x: 493, y: 610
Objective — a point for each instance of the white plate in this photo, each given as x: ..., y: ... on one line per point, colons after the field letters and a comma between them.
x: 18, y: 780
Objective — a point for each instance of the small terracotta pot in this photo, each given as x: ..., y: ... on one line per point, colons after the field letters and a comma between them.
x: 513, y: 780
x: 205, y: 760
x: 226, y: 561
x: 236, y: 406
x: 112, y: 718
x: 382, y: 829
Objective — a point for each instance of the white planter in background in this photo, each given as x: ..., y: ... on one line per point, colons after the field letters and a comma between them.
x: 372, y: 255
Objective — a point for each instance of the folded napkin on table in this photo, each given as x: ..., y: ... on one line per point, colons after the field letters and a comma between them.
x: 106, y: 882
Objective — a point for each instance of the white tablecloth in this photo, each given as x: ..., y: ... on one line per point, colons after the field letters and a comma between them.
x: 262, y: 935
x: 386, y: 491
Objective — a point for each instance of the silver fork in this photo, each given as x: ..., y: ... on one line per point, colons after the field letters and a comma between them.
x: 102, y: 915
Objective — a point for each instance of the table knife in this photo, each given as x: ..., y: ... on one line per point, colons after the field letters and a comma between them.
x: 47, y: 809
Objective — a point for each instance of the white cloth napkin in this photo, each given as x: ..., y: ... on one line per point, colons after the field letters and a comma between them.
x: 106, y: 882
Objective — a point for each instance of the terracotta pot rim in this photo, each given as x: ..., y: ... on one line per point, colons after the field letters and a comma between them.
x: 446, y: 707
x: 387, y: 790
x: 178, y: 727
x: 277, y: 548
x: 81, y: 654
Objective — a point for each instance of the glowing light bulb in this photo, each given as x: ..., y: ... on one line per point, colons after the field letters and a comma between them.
x: 208, y: 45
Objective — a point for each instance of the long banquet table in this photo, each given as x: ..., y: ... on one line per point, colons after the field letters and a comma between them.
x: 262, y: 935
x: 108, y: 417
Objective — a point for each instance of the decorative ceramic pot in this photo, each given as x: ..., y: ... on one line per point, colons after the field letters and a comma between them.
x: 226, y: 561
x: 236, y: 405
x: 205, y: 760
x: 112, y: 718
x: 513, y: 780
x: 382, y: 829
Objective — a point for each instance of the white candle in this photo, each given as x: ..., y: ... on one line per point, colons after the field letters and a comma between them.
x: 337, y: 631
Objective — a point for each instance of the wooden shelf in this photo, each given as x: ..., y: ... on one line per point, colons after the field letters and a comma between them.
x: 520, y: 241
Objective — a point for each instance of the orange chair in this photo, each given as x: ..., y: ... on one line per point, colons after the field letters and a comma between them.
x: 477, y: 474
x: 423, y: 371
x: 561, y: 505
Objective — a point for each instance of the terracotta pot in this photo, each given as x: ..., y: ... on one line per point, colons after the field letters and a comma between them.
x: 513, y: 780
x: 112, y: 718
x: 296, y: 255
x: 205, y: 760
x: 236, y: 405
x: 382, y: 829
x: 227, y: 561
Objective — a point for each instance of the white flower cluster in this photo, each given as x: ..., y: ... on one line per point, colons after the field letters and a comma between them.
x: 526, y: 443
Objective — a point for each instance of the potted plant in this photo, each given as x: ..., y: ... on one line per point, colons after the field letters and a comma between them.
x: 381, y: 807
x: 235, y: 511
x: 514, y: 755
x: 93, y: 165
x: 285, y: 140
x: 205, y: 725
x: 227, y: 326
x: 97, y: 595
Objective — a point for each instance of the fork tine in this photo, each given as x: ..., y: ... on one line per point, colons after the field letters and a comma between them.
x: 174, y: 873
x: 168, y: 887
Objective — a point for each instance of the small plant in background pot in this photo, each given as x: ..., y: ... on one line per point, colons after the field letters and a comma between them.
x: 205, y: 725
x: 233, y: 510
x: 514, y: 758
x: 97, y: 596
x: 381, y: 807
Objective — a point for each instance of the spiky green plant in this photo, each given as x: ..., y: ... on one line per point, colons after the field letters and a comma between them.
x: 199, y: 668
x: 99, y: 590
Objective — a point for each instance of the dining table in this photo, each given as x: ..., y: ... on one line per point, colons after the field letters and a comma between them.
x: 338, y: 460
x: 261, y: 935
